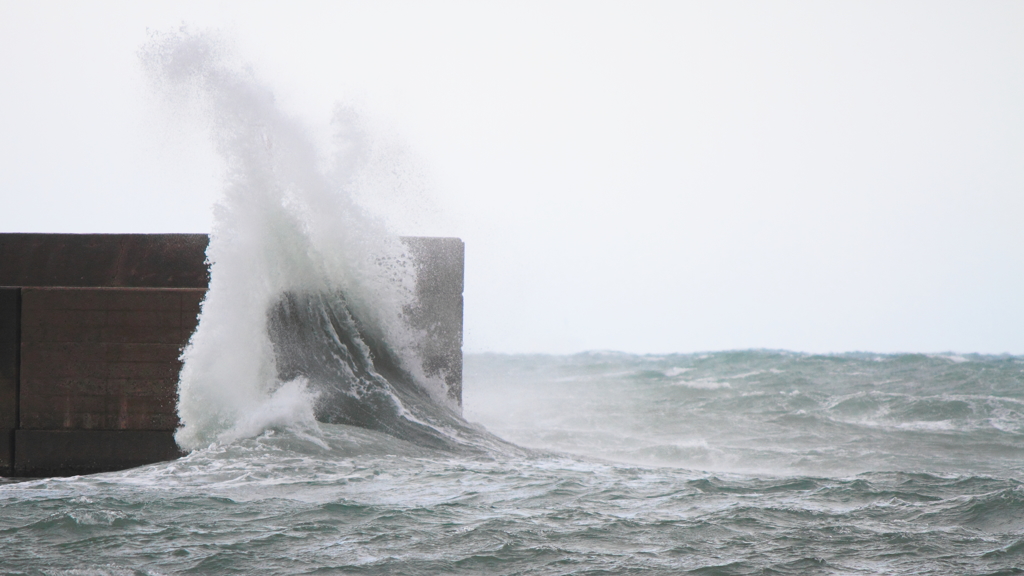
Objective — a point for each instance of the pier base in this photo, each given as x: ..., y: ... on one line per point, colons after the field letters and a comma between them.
x: 92, y: 327
x: 72, y: 452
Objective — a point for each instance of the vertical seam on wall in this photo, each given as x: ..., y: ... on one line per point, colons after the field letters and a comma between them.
x: 12, y: 443
x: 119, y: 264
x: 17, y: 364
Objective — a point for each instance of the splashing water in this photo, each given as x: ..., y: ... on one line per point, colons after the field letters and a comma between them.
x: 305, y: 315
x: 304, y: 376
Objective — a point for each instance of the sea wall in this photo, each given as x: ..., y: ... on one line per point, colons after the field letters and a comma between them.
x: 92, y: 326
x: 440, y: 271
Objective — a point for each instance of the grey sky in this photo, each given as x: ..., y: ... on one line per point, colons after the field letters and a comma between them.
x: 639, y: 176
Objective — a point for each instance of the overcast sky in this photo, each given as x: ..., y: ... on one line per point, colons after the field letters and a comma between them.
x: 638, y: 176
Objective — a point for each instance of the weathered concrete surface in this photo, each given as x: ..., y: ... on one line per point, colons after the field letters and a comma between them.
x: 440, y: 264
x: 91, y: 327
x: 111, y: 260
x: 10, y: 322
x: 70, y: 452
x: 103, y: 358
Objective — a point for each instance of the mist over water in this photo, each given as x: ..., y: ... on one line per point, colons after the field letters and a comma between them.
x: 319, y: 445
x: 762, y: 412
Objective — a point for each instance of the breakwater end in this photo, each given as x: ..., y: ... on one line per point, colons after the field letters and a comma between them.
x: 92, y: 327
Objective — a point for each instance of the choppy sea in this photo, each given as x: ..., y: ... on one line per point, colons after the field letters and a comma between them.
x: 755, y: 462
x: 320, y: 444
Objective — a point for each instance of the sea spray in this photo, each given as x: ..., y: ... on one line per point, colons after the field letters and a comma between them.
x: 287, y: 224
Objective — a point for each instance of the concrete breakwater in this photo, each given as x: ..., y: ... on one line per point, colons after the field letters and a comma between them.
x: 92, y: 327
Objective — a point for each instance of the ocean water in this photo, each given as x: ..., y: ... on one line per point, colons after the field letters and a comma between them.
x: 725, y: 463
x: 319, y: 444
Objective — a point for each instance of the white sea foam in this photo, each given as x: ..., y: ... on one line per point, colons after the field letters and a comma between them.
x: 676, y: 371
x: 928, y: 425
x: 703, y: 384
x: 747, y: 374
x: 954, y: 358
x: 289, y: 406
